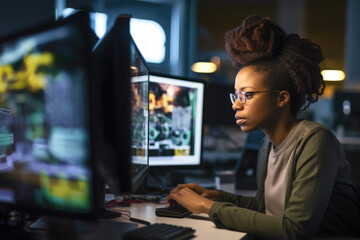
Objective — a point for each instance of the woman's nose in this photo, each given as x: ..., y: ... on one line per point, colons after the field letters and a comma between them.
x: 237, y: 105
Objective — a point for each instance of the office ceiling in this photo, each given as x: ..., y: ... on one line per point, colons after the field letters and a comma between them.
x: 322, y: 21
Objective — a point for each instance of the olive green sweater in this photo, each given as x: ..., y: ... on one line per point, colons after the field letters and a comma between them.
x: 320, y: 198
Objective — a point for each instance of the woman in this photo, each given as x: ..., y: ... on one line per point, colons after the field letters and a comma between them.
x: 304, y: 185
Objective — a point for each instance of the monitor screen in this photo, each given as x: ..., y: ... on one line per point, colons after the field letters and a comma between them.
x: 175, y: 121
x: 347, y: 112
x: 46, y: 159
x: 139, y: 116
x: 122, y: 79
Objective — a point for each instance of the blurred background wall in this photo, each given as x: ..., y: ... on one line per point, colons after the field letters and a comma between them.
x: 192, y: 31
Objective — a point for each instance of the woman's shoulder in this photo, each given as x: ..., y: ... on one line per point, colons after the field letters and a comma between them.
x: 308, y: 129
x: 311, y: 127
x: 316, y: 130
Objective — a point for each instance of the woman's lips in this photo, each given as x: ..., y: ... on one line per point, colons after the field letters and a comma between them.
x: 240, y: 120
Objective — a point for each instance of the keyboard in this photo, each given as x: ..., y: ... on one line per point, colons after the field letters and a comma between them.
x: 160, y: 231
x: 176, y: 211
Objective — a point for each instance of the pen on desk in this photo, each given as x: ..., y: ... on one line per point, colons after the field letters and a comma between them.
x: 139, y: 221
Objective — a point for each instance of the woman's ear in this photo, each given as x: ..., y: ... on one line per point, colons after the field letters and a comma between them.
x: 283, y: 98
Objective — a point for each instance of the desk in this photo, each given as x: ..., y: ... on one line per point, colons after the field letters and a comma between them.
x: 205, y: 229
x: 56, y: 228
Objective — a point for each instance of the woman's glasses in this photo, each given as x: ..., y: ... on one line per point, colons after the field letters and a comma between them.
x: 242, y: 96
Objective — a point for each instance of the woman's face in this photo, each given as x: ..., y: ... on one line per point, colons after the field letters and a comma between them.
x: 260, y: 109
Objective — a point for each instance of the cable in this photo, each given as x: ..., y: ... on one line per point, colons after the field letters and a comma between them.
x: 128, y: 215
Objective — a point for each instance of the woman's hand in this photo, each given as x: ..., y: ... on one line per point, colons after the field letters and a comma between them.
x: 190, y: 199
x: 206, y: 193
x: 193, y: 197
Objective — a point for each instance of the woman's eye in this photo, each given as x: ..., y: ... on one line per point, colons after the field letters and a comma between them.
x: 249, y: 95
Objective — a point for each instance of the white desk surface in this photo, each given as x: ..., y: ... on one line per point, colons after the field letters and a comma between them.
x: 205, y: 229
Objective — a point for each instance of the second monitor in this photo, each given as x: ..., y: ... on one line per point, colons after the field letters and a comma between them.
x: 175, y: 120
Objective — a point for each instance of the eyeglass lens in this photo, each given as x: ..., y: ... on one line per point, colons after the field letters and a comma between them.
x: 239, y: 96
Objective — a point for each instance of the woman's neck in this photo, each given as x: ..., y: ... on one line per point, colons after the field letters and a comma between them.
x: 280, y: 130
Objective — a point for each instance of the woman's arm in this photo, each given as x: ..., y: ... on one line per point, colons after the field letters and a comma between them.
x: 199, y: 200
x: 316, y: 169
x: 237, y: 200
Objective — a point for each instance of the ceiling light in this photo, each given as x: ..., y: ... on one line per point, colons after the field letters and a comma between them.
x: 204, y: 67
x: 333, y: 75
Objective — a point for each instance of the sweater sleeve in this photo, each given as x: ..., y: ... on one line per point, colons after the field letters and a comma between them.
x: 237, y: 200
x: 317, y: 164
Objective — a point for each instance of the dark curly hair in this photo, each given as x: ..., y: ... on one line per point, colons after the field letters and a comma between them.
x: 291, y: 62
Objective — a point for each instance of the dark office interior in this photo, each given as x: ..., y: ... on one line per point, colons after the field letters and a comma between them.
x: 194, y: 33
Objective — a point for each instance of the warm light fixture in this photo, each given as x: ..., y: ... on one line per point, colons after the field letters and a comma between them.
x: 204, y: 67
x: 333, y: 75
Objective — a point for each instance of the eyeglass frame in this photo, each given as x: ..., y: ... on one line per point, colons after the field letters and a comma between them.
x: 236, y: 95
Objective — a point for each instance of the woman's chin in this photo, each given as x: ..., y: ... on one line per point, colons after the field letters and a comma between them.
x: 246, y: 128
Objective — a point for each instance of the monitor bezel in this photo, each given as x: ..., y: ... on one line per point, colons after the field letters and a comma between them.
x: 140, y: 177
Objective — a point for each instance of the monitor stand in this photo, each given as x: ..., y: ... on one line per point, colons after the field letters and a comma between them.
x: 56, y: 227
x: 102, y: 211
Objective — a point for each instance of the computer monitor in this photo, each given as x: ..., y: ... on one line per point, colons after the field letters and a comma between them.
x: 122, y: 80
x: 175, y: 121
x: 46, y: 120
x: 347, y: 112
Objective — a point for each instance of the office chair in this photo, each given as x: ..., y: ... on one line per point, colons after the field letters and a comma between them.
x: 245, y: 168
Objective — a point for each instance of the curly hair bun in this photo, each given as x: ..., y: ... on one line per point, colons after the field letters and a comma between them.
x: 310, y: 52
x: 257, y: 38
